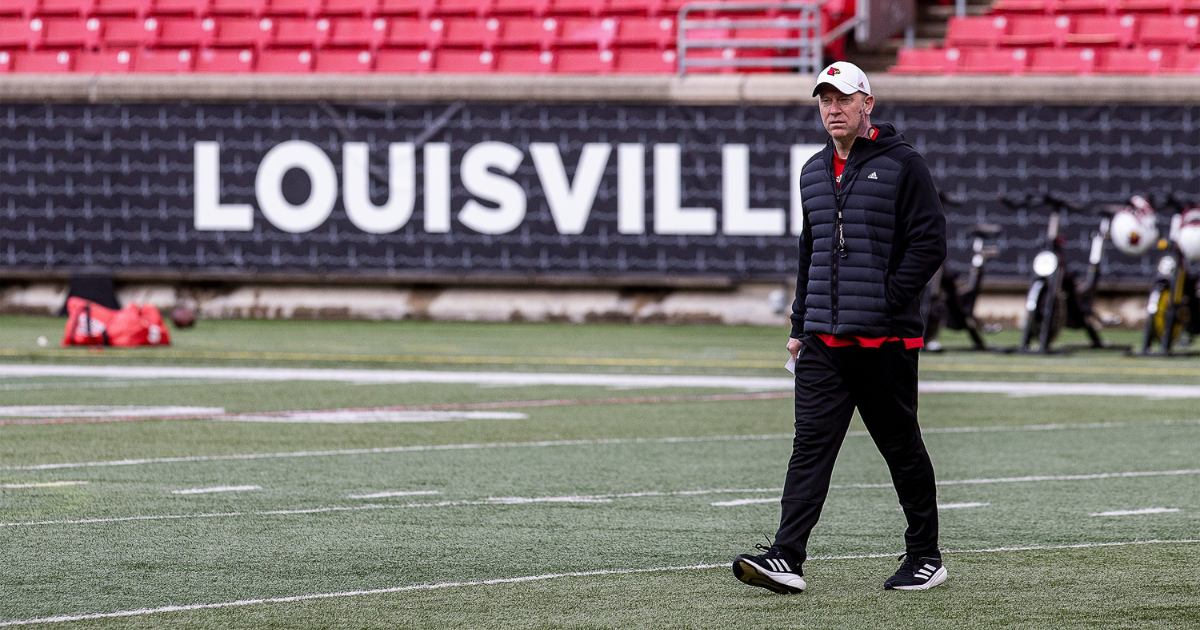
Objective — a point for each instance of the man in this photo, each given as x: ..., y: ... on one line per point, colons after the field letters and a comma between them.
x: 873, y: 236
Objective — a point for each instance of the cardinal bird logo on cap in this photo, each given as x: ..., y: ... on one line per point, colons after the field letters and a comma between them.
x: 833, y: 71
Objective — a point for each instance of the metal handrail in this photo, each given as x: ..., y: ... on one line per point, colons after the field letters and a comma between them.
x: 805, y: 50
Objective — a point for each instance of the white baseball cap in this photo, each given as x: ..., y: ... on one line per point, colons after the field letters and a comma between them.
x: 845, y: 76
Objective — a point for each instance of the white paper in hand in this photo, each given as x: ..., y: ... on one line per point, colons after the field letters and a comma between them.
x: 790, y: 365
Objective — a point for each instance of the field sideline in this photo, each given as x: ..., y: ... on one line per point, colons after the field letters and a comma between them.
x: 603, y: 478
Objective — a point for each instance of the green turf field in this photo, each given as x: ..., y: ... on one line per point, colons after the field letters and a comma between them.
x: 610, y: 508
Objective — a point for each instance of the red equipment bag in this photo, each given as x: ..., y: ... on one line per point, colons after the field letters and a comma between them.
x: 89, y: 324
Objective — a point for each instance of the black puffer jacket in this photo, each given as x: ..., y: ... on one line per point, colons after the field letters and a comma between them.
x: 894, y: 241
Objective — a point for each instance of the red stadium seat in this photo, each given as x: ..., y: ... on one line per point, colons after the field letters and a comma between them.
x: 21, y: 33
x: 1136, y: 61
x: 406, y: 61
x: 243, y: 32
x: 521, y: 7
x: 186, y: 33
x: 657, y: 32
x: 237, y: 7
x: 364, y: 8
x: 421, y: 8
x: 42, y: 62
x: 181, y: 7
x: 71, y: 33
x: 284, y: 61
x: 478, y: 8
x: 1037, y: 30
x: 165, y: 61
x: 1062, y: 61
x: 1087, y: 6
x: 1103, y: 30
x: 465, y: 61
x: 308, y: 8
x: 18, y: 8
x: 1151, y: 6
x: 584, y: 62
x: 645, y: 61
x: 416, y: 33
x: 104, y: 62
x: 6, y: 61
x: 525, y: 61
x: 133, y: 32
x: 1024, y: 6
x: 649, y: 8
x: 225, y: 61
x: 528, y: 32
x: 344, y: 61
x: 301, y: 32
x: 1184, y: 62
x: 588, y: 32
x: 926, y: 61
x: 989, y: 61
x: 122, y: 7
x: 1168, y: 30
x: 471, y: 33
x: 357, y: 33
x: 975, y: 31
x: 66, y: 7
x: 593, y: 8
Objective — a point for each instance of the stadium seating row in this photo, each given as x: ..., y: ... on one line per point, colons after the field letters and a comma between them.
x: 1096, y: 6
x: 330, y: 8
x: 259, y: 33
x: 1077, y: 61
x: 1084, y: 30
x: 635, y: 60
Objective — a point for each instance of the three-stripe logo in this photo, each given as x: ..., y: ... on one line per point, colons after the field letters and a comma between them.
x: 778, y: 564
x: 926, y: 571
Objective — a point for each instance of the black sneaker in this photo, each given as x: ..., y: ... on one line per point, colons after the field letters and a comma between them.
x: 770, y: 571
x: 917, y: 574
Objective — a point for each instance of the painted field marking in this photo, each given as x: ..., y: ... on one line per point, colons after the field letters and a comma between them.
x: 529, y: 578
x: 630, y: 381
x: 1134, y: 512
x: 396, y: 449
x: 750, y: 501
x: 394, y: 493
x: 556, y: 443
x: 43, y: 484
x: 594, y: 498
x: 59, y: 414
x: 216, y: 489
x: 958, y: 506
x: 336, y: 416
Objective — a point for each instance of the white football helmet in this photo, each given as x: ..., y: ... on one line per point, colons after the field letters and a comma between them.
x: 1134, y: 230
x: 1188, y: 237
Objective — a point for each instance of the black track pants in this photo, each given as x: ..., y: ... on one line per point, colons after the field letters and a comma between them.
x: 882, y: 384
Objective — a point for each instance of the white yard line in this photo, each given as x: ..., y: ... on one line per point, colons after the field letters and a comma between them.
x: 394, y: 493
x: 43, y: 484
x: 519, y: 379
x: 959, y: 506
x: 396, y: 449
x: 216, y: 489
x: 551, y: 443
x: 1037, y: 478
x: 104, y: 411
x: 1135, y: 512
x: 593, y: 498
x: 525, y: 578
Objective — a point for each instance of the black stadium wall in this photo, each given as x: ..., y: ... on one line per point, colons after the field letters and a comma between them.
x: 470, y: 189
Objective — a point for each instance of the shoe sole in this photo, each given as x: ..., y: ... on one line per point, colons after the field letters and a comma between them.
x: 939, y: 576
x: 750, y: 574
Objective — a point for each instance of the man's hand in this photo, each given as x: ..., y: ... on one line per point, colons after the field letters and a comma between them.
x: 794, y: 347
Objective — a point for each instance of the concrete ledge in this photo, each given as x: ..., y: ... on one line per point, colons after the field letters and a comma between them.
x: 693, y: 90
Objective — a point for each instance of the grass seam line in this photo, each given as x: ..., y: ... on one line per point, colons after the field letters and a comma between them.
x: 526, y: 578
